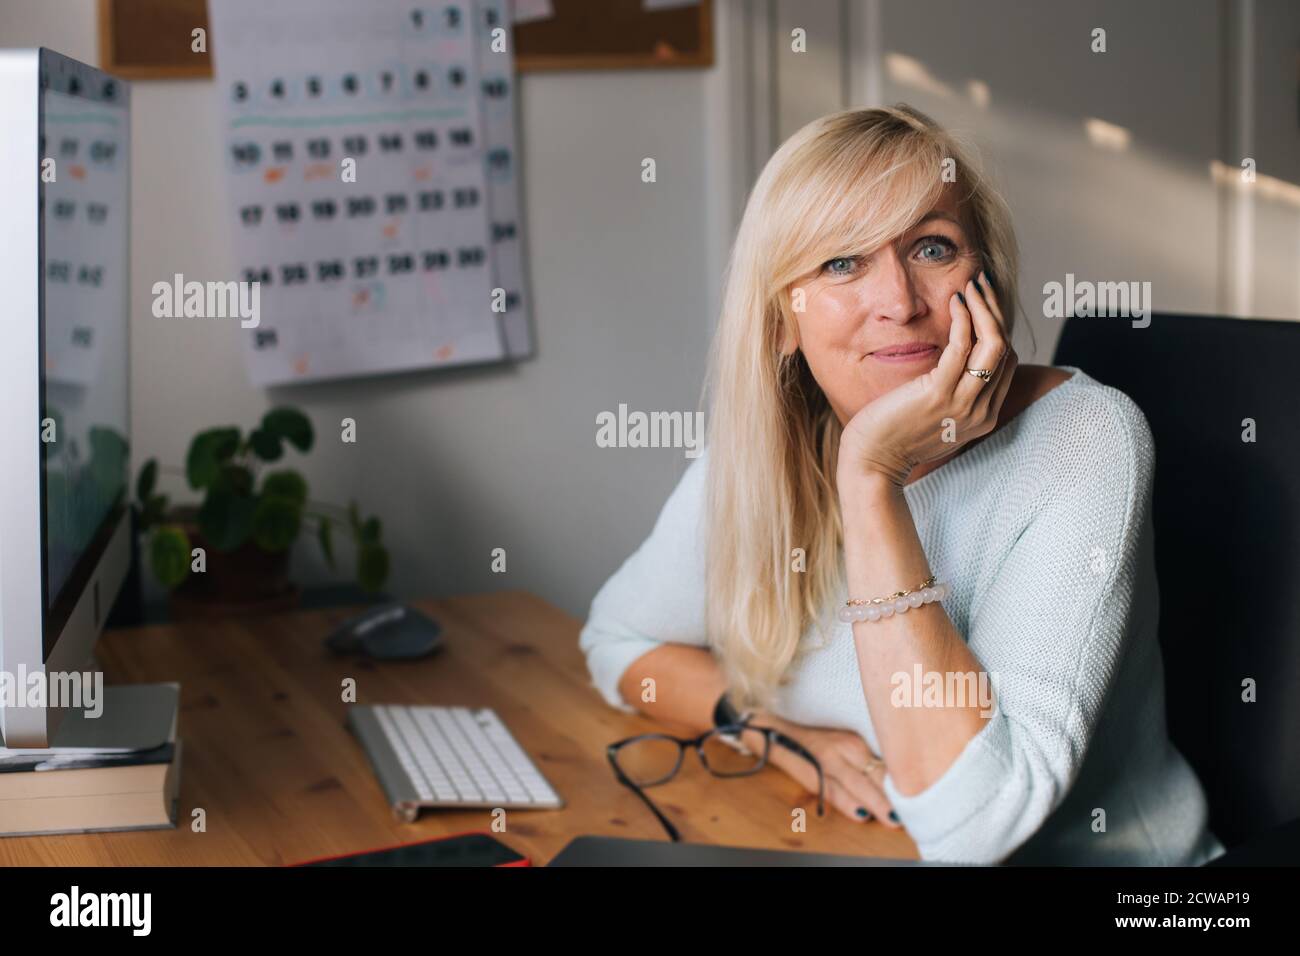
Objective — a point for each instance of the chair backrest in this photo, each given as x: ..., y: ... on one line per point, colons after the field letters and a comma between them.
x: 1226, y: 515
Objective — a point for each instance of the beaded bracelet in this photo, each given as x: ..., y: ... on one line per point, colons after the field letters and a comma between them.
x: 859, y: 609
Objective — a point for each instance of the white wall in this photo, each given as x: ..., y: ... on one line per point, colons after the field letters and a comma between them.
x: 1019, y: 80
x: 1148, y: 212
x: 624, y: 282
x: 1270, y: 89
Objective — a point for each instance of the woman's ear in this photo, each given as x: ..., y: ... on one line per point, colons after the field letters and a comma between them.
x: 789, y: 342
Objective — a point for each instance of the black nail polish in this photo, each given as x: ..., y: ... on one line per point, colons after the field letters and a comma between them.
x: 893, y: 816
x: 979, y: 285
x: 862, y: 812
x: 961, y: 298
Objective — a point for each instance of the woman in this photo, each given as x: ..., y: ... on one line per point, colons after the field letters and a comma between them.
x: 872, y: 434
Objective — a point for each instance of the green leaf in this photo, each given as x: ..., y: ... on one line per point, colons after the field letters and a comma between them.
x: 325, y: 535
x: 372, y: 566
x: 236, y: 479
x: 275, y: 522
x: 226, y: 519
x: 208, y: 451
x: 291, y: 425
x: 265, y: 445
x: 147, y: 481
x: 169, y: 555
x: 286, y: 482
x: 371, y: 532
x: 152, y: 511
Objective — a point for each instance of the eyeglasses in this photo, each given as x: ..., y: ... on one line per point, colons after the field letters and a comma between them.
x: 648, y: 760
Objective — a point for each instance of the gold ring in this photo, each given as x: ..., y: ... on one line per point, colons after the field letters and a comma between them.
x: 873, y: 765
x: 981, y: 373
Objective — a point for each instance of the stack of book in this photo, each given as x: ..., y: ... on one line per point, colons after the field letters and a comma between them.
x: 85, y: 792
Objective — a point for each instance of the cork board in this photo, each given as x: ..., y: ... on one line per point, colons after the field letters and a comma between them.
x: 150, y: 39
x: 616, y: 34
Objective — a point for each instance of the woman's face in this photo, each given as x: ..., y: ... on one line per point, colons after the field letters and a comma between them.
x: 871, y: 323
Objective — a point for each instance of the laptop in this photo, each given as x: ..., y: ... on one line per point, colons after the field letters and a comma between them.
x: 620, y: 851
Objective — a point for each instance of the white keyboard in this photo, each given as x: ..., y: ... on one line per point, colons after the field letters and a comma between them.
x: 448, y: 757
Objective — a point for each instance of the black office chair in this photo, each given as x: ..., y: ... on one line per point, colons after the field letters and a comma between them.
x: 1226, y: 515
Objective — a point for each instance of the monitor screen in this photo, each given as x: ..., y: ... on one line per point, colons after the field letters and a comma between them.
x: 84, y: 405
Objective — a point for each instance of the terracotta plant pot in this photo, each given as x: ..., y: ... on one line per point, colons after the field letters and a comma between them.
x: 246, y: 581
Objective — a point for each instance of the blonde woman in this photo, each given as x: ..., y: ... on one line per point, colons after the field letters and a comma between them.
x: 871, y: 435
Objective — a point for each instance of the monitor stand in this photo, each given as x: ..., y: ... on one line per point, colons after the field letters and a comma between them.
x: 134, y: 717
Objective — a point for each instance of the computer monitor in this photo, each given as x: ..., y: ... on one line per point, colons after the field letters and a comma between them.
x: 64, y: 418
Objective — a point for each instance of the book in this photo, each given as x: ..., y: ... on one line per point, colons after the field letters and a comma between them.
x: 87, y: 784
x: 120, y: 795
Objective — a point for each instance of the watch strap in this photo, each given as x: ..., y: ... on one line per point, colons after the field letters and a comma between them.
x: 724, y: 713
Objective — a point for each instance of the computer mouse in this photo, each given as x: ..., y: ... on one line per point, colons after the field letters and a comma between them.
x: 388, y: 632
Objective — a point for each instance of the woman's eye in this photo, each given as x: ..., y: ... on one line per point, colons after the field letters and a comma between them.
x: 935, y: 249
x: 841, y: 266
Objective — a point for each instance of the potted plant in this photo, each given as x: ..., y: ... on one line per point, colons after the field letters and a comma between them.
x: 229, y: 553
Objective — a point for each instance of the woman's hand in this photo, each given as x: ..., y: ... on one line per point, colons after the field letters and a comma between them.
x: 906, y: 426
x: 844, y: 757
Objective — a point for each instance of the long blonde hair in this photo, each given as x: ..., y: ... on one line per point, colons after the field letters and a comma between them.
x: 843, y: 185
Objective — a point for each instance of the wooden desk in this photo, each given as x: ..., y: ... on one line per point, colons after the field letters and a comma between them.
x: 282, y: 780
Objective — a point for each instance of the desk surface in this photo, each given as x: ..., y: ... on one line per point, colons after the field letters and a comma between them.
x: 281, y: 779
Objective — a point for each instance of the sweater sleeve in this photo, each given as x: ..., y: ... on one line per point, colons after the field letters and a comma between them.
x: 656, y: 596
x: 1050, y: 629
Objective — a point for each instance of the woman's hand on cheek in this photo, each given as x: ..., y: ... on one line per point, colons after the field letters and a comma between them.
x: 936, y: 413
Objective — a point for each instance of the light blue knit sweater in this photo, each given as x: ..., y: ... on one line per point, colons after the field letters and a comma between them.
x: 1043, y: 530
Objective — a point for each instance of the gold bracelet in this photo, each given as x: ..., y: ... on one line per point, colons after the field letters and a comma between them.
x: 873, y: 609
